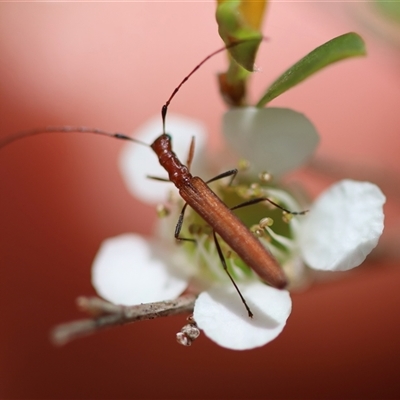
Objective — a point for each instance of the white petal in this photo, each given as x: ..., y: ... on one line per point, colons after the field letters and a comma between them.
x: 276, y: 140
x: 137, y: 162
x: 222, y: 316
x: 343, y: 226
x: 128, y: 270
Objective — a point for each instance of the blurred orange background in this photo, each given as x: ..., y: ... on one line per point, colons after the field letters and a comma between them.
x: 112, y: 66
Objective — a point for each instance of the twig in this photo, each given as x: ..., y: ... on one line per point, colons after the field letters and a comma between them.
x: 108, y: 315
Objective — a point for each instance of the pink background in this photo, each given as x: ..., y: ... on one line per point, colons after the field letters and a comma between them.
x: 112, y: 66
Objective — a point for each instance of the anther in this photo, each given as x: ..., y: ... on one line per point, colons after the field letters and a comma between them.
x: 286, y: 217
x: 258, y: 231
x: 265, y: 177
x: 266, y: 222
x: 243, y: 165
x: 162, y: 211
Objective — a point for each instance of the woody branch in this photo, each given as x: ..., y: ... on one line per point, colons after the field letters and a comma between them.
x: 107, y: 315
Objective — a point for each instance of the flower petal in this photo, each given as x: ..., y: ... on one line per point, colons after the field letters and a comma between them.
x: 343, y: 226
x: 128, y: 270
x: 276, y: 140
x: 222, y: 316
x: 137, y: 162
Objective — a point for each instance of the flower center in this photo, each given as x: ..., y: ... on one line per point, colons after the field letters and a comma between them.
x: 275, y: 228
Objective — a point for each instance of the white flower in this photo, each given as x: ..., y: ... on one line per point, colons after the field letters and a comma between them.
x: 276, y: 140
x: 137, y: 162
x: 342, y: 227
x: 219, y: 312
x: 128, y: 260
x: 344, y: 224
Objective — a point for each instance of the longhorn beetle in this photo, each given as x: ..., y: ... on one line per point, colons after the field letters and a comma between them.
x: 196, y: 194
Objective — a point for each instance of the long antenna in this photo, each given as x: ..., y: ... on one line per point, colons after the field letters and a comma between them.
x: 164, y: 108
x: 66, y: 129
x: 82, y: 129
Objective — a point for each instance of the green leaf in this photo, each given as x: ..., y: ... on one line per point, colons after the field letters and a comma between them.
x: 233, y: 28
x: 339, y: 48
